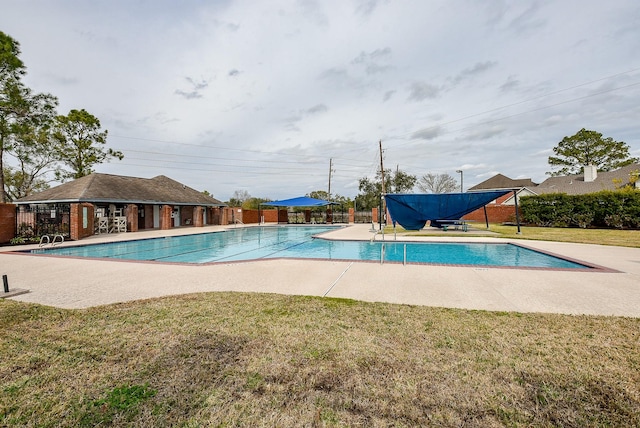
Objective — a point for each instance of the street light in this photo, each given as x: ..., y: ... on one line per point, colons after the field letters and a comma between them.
x: 459, y: 171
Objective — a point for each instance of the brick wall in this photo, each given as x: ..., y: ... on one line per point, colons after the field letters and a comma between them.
x: 7, y: 222
x: 131, y: 211
x: 198, y: 216
x: 495, y: 214
x: 165, y: 217
x: 253, y: 216
x: 81, y: 219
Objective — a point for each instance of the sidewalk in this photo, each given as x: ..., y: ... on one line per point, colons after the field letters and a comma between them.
x: 81, y: 283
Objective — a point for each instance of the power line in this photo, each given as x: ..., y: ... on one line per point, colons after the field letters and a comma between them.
x: 510, y: 116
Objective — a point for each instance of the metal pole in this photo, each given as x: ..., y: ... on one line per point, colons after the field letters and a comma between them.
x: 5, y: 281
x: 461, y: 180
x: 486, y: 218
x: 515, y: 197
x: 382, y: 201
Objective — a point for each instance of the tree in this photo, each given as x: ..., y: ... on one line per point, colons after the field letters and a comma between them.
x: 319, y: 194
x: 10, y: 63
x: 371, y: 190
x: 22, y: 116
x: 11, y: 70
x: 79, y: 144
x: 437, y: 183
x: 338, y: 199
x: 254, y: 203
x: 19, y: 184
x: 589, y: 148
x: 238, y: 198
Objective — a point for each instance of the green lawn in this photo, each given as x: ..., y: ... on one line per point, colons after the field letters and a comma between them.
x: 624, y: 238
x: 256, y: 360
x: 251, y: 360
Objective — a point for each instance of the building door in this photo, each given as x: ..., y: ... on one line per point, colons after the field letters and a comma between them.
x: 156, y: 216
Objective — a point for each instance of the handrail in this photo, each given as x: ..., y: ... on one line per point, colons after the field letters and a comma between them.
x: 236, y: 221
x: 41, y: 244
x: 55, y: 239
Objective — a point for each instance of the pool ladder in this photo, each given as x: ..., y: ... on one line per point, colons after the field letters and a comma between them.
x: 383, y: 250
x: 49, y: 240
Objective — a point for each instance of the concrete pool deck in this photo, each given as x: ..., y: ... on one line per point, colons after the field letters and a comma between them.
x: 81, y: 283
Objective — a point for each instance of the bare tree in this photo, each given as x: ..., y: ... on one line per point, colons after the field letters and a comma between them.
x: 437, y: 183
x: 239, y: 197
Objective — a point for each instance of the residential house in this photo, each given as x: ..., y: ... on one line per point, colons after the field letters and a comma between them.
x: 591, y: 181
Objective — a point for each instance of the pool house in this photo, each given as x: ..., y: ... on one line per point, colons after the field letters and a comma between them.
x: 105, y: 203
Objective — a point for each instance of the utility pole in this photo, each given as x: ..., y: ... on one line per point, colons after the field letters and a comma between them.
x: 330, y: 171
x: 396, y: 178
x: 382, y: 202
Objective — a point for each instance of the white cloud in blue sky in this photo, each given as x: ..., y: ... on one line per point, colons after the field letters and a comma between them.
x: 259, y: 95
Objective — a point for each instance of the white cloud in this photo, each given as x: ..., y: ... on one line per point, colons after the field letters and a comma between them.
x: 243, y: 95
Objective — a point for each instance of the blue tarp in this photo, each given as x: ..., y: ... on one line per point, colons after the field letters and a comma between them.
x: 301, y: 201
x: 412, y: 211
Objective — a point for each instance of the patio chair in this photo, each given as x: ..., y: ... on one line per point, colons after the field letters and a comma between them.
x: 103, y: 225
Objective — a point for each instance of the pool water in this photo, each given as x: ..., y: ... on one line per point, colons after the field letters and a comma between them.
x: 254, y: 243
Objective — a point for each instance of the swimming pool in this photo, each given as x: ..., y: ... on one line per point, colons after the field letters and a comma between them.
x: 268, y: 242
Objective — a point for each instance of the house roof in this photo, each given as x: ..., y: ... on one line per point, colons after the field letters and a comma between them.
x: 500, y: 181
x: 107, y: 188
x: 575, y: 184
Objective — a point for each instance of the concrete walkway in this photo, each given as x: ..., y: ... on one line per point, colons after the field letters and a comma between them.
x: 81, y: 283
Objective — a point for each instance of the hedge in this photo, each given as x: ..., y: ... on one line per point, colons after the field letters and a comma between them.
x: 618, y: 209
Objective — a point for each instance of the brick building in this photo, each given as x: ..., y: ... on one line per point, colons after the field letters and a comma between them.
x: 105, y: 203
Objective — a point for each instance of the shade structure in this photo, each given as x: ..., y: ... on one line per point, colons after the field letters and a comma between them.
x: 301, y: 201
x: 412, y: 211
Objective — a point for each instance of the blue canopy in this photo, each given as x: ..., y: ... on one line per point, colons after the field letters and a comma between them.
x: 413, y: 211
x: 301, y: 201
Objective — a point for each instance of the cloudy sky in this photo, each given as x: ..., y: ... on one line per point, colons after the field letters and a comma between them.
x: 263, y: 96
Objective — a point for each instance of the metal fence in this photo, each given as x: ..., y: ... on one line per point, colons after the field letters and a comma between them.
x: 363, y: 217
x: 34, y: 221
x: 339, y: 214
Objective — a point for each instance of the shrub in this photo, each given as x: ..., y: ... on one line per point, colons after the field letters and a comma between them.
x: 616, y: 209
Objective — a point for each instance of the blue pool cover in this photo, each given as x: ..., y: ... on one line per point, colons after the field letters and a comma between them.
x: 412, y: 211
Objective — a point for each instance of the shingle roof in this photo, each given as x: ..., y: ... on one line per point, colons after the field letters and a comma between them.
x: 575, y: 184
x: 107, y: 188
x: 500, y: 181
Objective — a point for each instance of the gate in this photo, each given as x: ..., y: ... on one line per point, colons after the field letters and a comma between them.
x: 39, y: 220
x: 340, y: 214
x: 363, y: 217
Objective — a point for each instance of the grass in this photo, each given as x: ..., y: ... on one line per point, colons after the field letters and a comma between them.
x: 235, y: 359
x: 622, y: 238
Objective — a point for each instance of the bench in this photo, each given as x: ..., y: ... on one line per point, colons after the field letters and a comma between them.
x: 457, y: 224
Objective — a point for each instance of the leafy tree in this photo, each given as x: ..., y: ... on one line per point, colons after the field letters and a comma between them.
x: 10, y: 63
x: 371, y: 190
x: 254, y: 203
x: 22, y: 115
x: 324, y: 195
x: 79, y: 144
x: 343, y: 201
x: 589, y: 148
x: 437, y: 183
x: 319, y: 194
x: 19, y: 184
